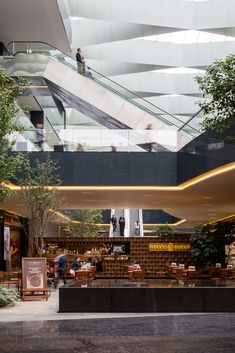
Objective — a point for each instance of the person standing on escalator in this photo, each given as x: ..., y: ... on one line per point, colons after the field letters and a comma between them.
x: 122, y: 225
x: 80, y: 62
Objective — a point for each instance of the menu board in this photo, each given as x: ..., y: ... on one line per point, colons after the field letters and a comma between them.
x: 34, y: 273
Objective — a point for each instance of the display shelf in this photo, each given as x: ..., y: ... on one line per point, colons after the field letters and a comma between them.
x: 154, y: 262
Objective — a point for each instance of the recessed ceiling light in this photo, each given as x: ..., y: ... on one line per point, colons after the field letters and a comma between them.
x: 208, y: 197
x: 211, y: 214
x: 90, y: 200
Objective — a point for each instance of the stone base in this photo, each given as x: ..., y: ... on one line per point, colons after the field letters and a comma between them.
x: 146, y: 300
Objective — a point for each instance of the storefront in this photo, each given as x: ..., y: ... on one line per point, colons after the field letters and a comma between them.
x: 13, y: 240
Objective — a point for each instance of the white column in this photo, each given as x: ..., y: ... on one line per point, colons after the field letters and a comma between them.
x: 111, y: 226
x: 141, y: 228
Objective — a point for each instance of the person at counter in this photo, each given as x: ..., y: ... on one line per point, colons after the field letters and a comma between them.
x: 136, y: 266
x: 110, y: 249
x: 103, y: 249
x: 76, y: 265
x: 98, y: 264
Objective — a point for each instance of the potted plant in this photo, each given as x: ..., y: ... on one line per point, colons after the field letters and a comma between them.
x: 7, y: 296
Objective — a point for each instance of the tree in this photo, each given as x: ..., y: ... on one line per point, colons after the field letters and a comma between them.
x: 218, y: 83
x: 164, y: 230
x: 204, y: 247
x: 10, y: 89
x: 209, y: 241
x: 224, y: 233
x: 40, y: 198
x: 85, y: 222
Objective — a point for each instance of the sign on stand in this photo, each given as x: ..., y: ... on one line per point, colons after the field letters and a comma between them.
x: 34, y: 278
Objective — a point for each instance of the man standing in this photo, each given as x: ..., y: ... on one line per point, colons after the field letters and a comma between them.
x: 98, y: 264
x: 114, y: 222
x: 122, y: 225
x: 80, y: 62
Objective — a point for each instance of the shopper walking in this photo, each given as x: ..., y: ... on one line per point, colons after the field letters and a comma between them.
x: 60, y: 262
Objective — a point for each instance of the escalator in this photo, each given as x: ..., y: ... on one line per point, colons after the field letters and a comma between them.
x: 96, y: 95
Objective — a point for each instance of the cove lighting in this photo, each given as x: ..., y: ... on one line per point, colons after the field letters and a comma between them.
x: 200, y: 178
x: 223, y: 219
x: 163, y: 224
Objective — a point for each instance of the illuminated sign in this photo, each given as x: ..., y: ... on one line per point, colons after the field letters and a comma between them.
x: 169, y: 247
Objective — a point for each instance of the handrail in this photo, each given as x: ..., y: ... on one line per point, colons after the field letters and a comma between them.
x: 121, y: 140
x: 48, y: 120
x: 188, y: 121
x: 106, y: 85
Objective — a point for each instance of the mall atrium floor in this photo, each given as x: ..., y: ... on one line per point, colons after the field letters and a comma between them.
x: 36, y: 326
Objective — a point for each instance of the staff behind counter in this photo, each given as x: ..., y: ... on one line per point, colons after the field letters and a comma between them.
x: 77, y: 265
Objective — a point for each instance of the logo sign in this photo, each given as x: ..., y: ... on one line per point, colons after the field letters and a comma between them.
x: 169, y: 246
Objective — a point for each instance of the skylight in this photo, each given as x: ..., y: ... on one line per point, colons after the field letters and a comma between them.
x: 75, y: 18
x: 180, y: 70
x: 189, y: 37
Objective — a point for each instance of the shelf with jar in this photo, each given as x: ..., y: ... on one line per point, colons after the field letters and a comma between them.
x: 115, y: 257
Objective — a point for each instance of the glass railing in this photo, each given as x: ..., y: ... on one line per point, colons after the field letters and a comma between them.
x: 160, y: 114
x: 193, y: 124
x: 95, y: 140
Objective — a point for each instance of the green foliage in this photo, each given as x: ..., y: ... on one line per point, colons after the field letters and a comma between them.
x: 40, y: 198
x: 224, y: 233
x: 218, y: 83
x: 204, y: 247
x: 208, y: 243
x: 7, y: 296
x: 165, y: 230
x: 86, y: 224
x: 10, y: 89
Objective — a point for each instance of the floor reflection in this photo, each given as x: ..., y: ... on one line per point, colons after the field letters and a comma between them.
x: 151, y: 283
x: 174, y: 333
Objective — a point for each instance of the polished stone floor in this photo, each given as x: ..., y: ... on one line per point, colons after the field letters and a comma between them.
x: 202, y: 333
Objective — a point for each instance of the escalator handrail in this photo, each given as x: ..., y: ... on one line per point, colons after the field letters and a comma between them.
x: 190, y: 119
